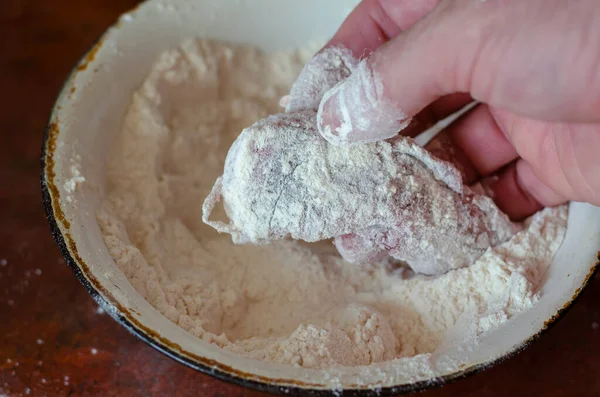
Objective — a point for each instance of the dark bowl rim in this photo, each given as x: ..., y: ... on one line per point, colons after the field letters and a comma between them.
x: 54, y: 215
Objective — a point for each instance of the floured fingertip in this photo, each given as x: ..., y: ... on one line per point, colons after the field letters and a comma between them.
x: 356, y: 110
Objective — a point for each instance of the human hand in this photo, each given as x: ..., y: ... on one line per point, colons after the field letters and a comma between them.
x: 534, y: 65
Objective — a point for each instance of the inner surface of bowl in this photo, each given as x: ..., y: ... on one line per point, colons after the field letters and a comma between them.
x: 89, y: 116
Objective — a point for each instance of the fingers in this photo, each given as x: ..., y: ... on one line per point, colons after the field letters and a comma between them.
x: 478, y: 146
x: 446, y: 105
x: 512, y: 55
x: 554, y: 162
x: 437, y: 111
x: 348, y: 120
x: 563, y: 156
x: 367, y: 27
x: 358, y: 116
x: 398, y: 81
x: 475, y: 144
x: 532, y: 68
x: 356, y: 111
x: 482, y: 141
x: 373, y: 22
x: 519, y: 193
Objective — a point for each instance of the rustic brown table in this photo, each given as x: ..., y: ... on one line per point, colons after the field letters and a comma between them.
x: 53, y: 339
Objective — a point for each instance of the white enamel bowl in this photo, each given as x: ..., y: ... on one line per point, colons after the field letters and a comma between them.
x: 87, y: 117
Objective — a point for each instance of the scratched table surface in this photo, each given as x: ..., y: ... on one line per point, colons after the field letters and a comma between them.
x: 54, y: 341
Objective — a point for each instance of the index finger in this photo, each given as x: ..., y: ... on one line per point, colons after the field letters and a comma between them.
x: 374, y: 22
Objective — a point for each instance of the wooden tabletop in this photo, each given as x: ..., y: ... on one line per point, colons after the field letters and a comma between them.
x: 53, y: 339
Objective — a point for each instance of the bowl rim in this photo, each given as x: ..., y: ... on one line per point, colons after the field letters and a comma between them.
x: 60, y: 230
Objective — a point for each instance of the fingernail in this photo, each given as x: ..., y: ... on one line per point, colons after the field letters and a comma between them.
x: 357, y: 111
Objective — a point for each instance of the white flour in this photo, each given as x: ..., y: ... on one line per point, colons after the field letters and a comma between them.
x: 379, y: 199
x: 287, y: 302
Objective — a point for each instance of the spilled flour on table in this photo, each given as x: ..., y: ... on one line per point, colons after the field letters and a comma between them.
x: 287, y: 302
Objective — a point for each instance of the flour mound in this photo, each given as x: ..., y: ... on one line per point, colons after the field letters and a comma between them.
x: 287, y: 302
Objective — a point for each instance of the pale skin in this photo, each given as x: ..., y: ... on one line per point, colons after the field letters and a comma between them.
x: 535, y: 67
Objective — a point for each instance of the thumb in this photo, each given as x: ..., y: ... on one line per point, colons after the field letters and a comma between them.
x: 434, y: 57
x: 356, y: 110
x: 399, y: 79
